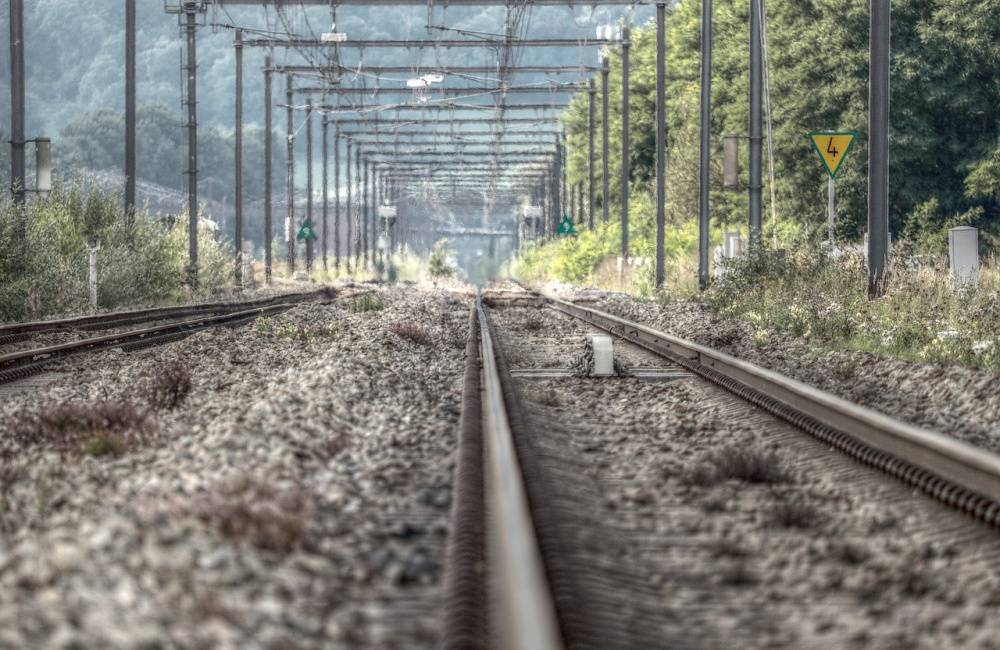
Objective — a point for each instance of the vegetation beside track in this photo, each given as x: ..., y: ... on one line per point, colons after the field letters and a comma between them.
x: 808, y: 294
x: 44, y: 264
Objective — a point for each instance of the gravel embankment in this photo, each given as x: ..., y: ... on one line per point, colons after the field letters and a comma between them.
x: 297, y: 497
x: 953, y: 400
x: 750, y: 534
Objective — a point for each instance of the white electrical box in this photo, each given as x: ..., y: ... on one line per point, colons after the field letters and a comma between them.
x: 963, y: 256
x: 604, y: 355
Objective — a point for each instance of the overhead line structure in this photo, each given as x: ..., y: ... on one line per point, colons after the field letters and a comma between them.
x: 547, y: 89
x: 389, y: 108
x: 458, y: 135
x: 366, y: 44
x: 446, y: 70
x: 444, y: 120
x: 367, y: 142
x: 424, y: 3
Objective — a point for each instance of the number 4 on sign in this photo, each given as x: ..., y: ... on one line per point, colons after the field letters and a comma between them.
x: 832, y: 148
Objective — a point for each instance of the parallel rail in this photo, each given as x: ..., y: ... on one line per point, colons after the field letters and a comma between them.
x: 17, y: 365
x: 493, y: 530
x: 954, y: 472
x: 19, y: 331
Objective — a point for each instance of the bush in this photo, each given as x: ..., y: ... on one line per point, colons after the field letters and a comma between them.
x: 410, y: 332
x: 170, y: 386
x: 44, y: 268
x: 437, y: 263
x: 100, y: 429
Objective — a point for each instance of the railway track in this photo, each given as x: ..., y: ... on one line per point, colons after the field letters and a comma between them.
x: 18, y: 365
x: 15, y: 332
x: 508, y: 582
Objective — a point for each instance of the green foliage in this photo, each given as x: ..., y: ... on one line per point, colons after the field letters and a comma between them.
x: 93, y: 141
x: 44, y: 269
x: 825, y: 302
x: 944, y: 132
x: 366, y: 303
x: 437, y: 263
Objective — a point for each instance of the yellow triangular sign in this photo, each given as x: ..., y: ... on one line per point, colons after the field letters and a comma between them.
x: 832, y: 147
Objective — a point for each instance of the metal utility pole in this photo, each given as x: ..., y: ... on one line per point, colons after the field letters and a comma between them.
x: 17, y: 104
x: 191, y: 10
x: 706, y: 138
x: 878, y: 147
x: 289, y: 179
x: 605, y: 136
x: 626, y: 170
x: 365, y: 209
x: 326, y: 194
x: 359, y: 211
x: 309, y: 185
x: 129, y: 109
x: 557, y: 208
x: 756, y: 125
x: 591, y: 128
x: 564, y: 189
x: 350, y: 226
x: 336, y: 199
x: 238, y: 155
x: 268, y: 156
x: 661, y: 142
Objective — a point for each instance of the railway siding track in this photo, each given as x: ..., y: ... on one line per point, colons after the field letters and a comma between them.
x: 14, y: 332
x: 951, y: 471
x: 18, y: 365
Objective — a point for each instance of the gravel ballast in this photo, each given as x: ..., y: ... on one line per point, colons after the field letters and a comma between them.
x: 749, y: 533
x: 953, y: 400
x: 297, y: 496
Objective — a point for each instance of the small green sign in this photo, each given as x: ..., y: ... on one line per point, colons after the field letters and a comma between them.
x: 306, y: 232
x: 566, y: 226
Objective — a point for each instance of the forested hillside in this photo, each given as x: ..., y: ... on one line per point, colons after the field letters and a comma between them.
x: 945, y: 152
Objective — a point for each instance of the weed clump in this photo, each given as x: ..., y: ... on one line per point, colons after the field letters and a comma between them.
x: 169, y: 388
x: 437, y: 263
x: 101, y: 429
x: 261, y: 515
x: 411, y: 332
x: 366, y: 303
x: 796, y: 514
x: 740, y: 463
x: 547, y: 397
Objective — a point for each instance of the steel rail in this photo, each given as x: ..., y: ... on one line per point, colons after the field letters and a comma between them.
x: 131, y: 317
x: 960, y: 475
x: 18, y: 365
x: 526, y: 611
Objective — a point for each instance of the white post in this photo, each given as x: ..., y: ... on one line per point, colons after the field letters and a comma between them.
x: 93, y: 245
x: 831, y: 210
x: 963, y: 256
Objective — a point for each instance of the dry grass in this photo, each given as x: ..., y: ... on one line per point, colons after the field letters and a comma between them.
x: 745, y: 464
x: 738, y: 574
x: 263, y: 516
x: 796, y: 514
x: 100, y: 429
x: 169, y: 388
x: 547, y: 397
x: 366, y: 303
x: 411, y: 332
